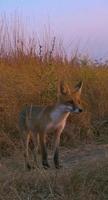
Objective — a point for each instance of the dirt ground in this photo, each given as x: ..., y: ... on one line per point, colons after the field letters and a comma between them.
x: 83, y: 170
x: 70, y: 157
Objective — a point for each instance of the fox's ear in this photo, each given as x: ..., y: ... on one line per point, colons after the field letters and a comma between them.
x: 78, y: 88
x: 63, y: 89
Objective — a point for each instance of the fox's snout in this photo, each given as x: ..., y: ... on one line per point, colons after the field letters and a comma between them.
x: 77, y: 110
x: 80, y: 110
x: 73, y: 109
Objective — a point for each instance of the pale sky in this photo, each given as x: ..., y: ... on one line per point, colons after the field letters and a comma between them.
x: 80, y: 23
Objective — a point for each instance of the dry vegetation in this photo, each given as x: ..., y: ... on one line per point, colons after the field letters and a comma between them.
x: 29, y: 73
x: 85, y: 181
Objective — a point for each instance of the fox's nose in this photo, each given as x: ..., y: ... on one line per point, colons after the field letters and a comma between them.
x: 80, y: 109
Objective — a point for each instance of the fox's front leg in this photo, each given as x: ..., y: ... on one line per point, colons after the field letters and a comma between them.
x: 56, y: 149
x: 44, y: 151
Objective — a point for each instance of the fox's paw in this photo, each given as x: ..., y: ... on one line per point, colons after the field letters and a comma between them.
x: 46, y: 165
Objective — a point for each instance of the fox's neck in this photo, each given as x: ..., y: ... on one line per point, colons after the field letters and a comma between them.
x: 59, y: 113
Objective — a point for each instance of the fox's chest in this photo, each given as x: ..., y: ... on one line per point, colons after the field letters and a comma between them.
x: 58, y: 120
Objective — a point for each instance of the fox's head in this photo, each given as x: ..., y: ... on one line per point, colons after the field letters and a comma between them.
x: 71, y: 99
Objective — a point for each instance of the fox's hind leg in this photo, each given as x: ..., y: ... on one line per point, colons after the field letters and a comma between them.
x: 25, y: 143
x: 35, y: 147
x: 28, y: 147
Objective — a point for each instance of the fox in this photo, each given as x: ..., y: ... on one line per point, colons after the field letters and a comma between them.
x: 36, y: 122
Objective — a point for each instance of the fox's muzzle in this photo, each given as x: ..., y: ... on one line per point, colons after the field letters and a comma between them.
x: 80, y: 110
x: 77, y: 110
